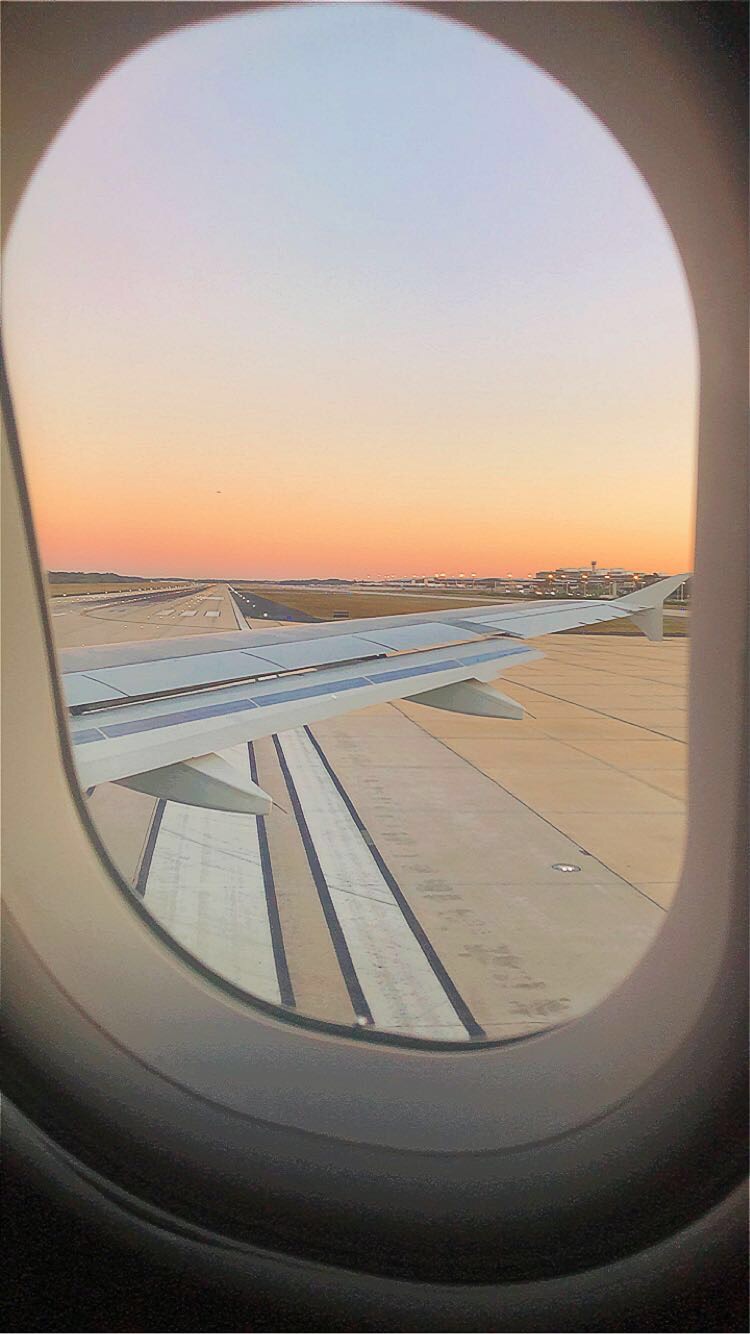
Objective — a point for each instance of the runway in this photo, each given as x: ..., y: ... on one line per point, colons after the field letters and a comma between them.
x: 117, y: 618
x: 258, y: 608
x: 407, y: 878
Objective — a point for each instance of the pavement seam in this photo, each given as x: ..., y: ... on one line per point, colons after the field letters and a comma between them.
x: 538, y: 814
x: 589, y: 708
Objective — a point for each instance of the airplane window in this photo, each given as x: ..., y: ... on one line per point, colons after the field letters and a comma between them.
x: 355, y: 374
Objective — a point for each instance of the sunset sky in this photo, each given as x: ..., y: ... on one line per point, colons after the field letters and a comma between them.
x: 347, y: 290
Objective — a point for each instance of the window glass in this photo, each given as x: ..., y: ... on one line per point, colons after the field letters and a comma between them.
x: 338, y: 313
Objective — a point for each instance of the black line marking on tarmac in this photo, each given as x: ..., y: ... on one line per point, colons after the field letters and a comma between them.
x: 148, y: 852
x: 286, y: 991
x: 441, y: 973
x: 602, y: 713
x: 348, y: 971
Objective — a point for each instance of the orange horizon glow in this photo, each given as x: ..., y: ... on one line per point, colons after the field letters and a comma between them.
x: 314, y: 539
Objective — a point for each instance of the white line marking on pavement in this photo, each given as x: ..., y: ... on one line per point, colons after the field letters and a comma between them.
x: 400, y: 987
x: 205, y: 885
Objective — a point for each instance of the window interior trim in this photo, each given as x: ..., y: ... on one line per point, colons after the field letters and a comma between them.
x: 180, y: 1041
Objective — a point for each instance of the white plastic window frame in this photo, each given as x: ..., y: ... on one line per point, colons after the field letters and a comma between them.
x: 99, y: 1002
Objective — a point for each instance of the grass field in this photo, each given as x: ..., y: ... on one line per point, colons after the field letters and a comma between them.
x: 325, y: 602
x: 675, y: 627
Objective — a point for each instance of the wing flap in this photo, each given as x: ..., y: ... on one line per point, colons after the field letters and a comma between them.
x: 218, y: 782
x: 470, y: 697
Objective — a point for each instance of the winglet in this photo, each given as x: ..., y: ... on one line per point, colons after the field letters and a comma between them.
x: 646, y: 606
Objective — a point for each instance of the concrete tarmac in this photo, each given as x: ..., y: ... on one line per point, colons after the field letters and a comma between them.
x: 415, y: 855
x: 117, y: 618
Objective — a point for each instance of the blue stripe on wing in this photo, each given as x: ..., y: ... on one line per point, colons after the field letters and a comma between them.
x: 130, y: 727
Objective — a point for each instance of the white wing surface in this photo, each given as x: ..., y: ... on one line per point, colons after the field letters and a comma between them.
x: 159, y: 715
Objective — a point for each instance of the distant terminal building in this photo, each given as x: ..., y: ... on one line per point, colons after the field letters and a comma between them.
x: 590, y: 581
x: 565, y: 581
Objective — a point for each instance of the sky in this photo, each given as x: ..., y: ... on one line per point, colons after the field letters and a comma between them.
x: 347, y: 290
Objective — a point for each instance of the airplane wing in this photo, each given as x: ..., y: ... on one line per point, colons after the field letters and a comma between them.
x: 162, y: 716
